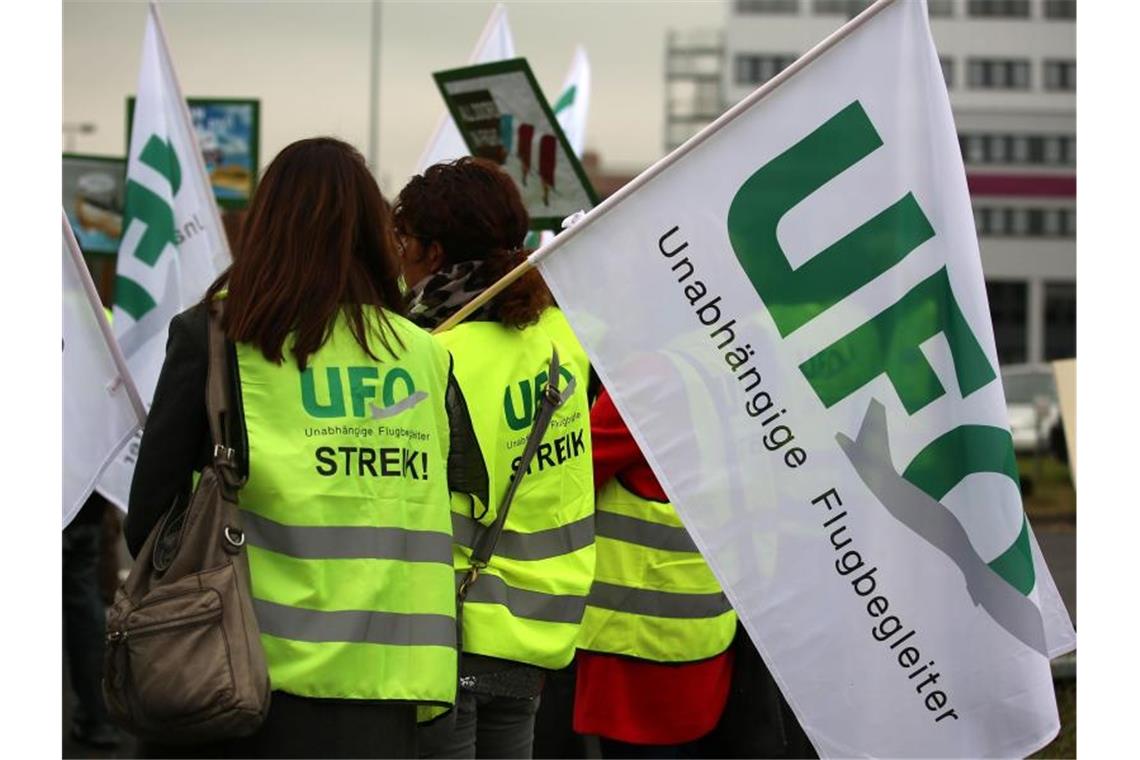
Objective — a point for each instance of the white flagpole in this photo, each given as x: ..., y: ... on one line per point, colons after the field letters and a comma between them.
x: 678, y: 153
x: 374, y: 91
x: 104, y: 327
x: 188, y: 123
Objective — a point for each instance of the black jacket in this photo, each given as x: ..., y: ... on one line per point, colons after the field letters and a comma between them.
x: 176, y: 439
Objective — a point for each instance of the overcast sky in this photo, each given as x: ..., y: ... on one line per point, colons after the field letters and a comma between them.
x: 308, y: 64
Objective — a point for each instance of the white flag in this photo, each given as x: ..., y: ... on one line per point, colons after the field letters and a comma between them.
x: 790, y: 314
x: 99, y: 414
x: 573, y: 104
x: 495, y: 44
x: 571, y: 110
x: 173, y: 243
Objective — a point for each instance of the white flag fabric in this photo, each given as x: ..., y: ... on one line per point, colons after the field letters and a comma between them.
x: 790, y: 315
x: 573, y: 104
x: 571, y: 110
x: 98, y: 415
x: 173, y: 243
x: 495, y: 44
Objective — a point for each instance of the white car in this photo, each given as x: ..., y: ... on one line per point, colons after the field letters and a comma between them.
x: 1031, y: 398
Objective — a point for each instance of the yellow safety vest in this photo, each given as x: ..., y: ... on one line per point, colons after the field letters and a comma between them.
x: 527, y: 605
x: 654, y: 596
x: 347, y: 519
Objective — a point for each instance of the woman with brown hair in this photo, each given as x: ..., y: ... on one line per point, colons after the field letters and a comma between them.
x: 354, y: 432
x: 461, y: 227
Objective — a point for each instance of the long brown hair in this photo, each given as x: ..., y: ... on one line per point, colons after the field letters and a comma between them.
x: 317, y: 241
x: 473, y: 210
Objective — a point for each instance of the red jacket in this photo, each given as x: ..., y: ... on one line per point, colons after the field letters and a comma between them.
x: 623, y: 698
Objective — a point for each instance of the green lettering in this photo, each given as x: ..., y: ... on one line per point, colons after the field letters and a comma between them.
x: 968, y: 449
x: 796, y: 296
x: 389, y: 393
x: 889, y: 343
x: 358, y: 390
x: 335, y: 405
x: 515, y: 420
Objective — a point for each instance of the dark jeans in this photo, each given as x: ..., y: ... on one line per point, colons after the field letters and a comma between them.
x: 302, y: 727
x: 84, y: 622
x: 482, y: 726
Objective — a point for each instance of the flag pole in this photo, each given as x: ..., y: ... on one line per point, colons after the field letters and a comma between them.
x: 680, y: 152
x: 188, y: 124
x: 100, y: 317
x: 374, y: 91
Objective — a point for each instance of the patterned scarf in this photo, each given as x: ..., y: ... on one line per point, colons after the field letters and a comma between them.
x: 438, y: 296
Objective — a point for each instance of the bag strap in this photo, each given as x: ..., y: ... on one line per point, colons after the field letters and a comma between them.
x: 218, y: 408
x: 552, y: 399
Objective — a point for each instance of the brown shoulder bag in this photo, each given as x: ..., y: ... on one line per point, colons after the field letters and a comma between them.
x: 183, y: 660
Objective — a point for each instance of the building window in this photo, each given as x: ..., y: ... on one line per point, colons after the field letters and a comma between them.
x: 940, y: 8
x: 1003, y: 221
x: 849, y: 8
x: 1008, y: 301
x: 757, y: 69
x: 767, y: 6
x: 947, y: 70
x: 1061, y: 75
x: 998, y: 73
x: 998, y: 8
x: 1030, y: 150
x: 1061, y: 9
x: 1060, y: 320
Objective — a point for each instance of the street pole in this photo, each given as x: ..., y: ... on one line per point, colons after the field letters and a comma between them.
x: 374, y: 92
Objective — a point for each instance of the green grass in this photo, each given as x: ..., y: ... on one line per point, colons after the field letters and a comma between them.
x: 1048, y: 489
x: 1065, y: 745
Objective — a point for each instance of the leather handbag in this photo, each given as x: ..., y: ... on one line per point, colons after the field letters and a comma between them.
x: 183, y: 661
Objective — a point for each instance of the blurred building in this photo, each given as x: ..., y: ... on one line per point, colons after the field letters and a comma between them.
x: 1010, y: 67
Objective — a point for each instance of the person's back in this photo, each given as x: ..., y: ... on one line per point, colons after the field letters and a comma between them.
x: 347, y: 412
x: 462, y: 225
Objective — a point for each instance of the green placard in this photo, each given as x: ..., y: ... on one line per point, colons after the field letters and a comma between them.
x: 503, y: 116
x: 228, y: 132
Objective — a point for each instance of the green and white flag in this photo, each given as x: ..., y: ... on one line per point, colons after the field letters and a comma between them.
x: 173, y: 243
x: 573, y: 104
x: 101, y: 408
x: 790, y: 313
x: 495, y: 44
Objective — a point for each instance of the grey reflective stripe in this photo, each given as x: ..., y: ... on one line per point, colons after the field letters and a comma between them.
x: 639, y: 601
x: 535, y: 605
x: 542, y: 544
x: 346, y: 542
x: 354, y: 626
x: 644, y: 533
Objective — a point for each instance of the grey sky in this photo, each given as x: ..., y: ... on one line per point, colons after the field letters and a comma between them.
x: 308, y: 63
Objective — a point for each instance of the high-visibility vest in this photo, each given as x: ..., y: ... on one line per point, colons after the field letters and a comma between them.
x: 527, y: 605
x: 654, y: 596
x: 346, y: 513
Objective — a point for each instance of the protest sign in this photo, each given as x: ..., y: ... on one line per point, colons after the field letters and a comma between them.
x: 807, y: 268
x: 173, y: 244
x: 228, y: 132
x: 93, y: 200
x: 495, y: 43
x: 502, y: 115
x: 101, y: 408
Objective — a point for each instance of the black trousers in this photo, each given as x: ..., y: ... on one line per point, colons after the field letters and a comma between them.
x: 84, y: 621
x: 482, y: 726
x: 303, y: 727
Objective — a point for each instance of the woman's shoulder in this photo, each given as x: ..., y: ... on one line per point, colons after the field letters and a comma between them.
x: 191, y: 327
